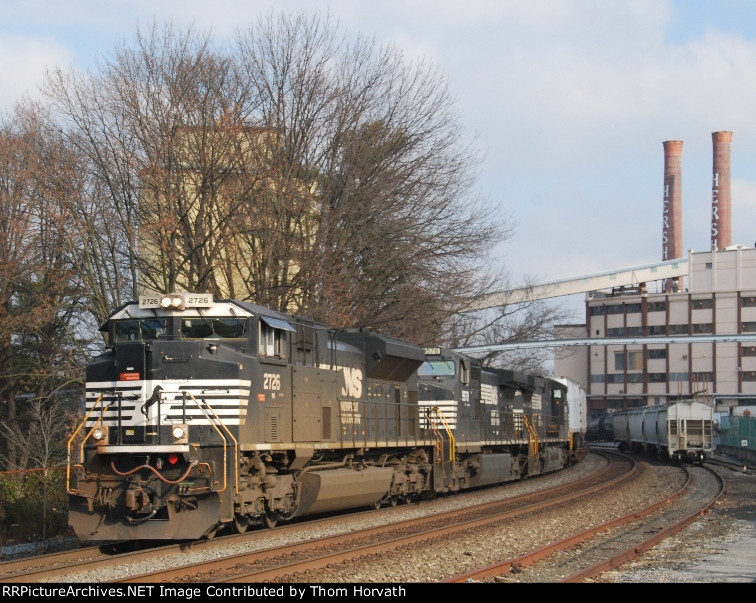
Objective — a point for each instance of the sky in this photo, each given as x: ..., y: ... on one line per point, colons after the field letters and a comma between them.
x: 570, y: 100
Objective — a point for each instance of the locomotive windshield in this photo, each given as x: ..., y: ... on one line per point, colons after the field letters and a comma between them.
x: 221, y: 328
x: 191, y: 328
x: 133, y: 330
x: 436, y: 368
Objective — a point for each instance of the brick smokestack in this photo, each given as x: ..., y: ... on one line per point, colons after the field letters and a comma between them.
x: 721, y: 197
x: 672, y: 243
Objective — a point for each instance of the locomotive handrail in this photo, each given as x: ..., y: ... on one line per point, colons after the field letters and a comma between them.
x: 449, y: 432
x: 452, y: 443
x: 75, y: 434
x: 369, y: 436
x: 533, y: 442
x: 212, y: 420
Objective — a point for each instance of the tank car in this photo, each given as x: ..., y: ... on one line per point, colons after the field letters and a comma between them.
x: 681, y: 431
x: 203, y: 414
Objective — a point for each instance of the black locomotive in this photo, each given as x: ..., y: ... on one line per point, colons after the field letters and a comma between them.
x: 203, y: 414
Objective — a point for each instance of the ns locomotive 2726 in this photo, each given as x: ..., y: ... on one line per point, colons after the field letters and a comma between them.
x: 206, y: 413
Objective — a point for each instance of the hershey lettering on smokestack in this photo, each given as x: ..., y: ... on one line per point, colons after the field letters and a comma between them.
x: 672, y: 215
x: 672, y: 244
x: 721, y: 197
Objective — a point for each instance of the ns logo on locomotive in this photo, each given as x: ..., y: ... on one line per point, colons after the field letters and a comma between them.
x: 204, y: 414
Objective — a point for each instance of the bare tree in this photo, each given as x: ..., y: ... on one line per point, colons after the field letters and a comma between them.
x: 150, y: 126
x: 299, y: 167
x: 40, y: 351
x: 399, y: 233
x: 40, y: 437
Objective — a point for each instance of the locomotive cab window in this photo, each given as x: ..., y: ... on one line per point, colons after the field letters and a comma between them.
x: 133, y: 330
x: 436, y: 368
x: 272, y: 341
x: 464, y: 372
x: 215, y: 328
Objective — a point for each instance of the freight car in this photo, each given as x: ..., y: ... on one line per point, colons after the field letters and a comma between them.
x: 203, y: 414
x: 681, y: 431
x: 600, y: 428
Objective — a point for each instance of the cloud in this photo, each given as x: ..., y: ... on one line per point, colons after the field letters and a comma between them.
x: 571, y: 99
x: 23, y: 61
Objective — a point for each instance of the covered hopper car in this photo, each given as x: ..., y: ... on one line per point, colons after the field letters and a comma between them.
x: 681, y: 431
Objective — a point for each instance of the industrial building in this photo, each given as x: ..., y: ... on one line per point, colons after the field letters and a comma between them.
x: 643, y: 348
x: 691, y: 331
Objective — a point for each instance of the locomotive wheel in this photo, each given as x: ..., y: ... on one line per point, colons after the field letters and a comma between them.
x: 241, y: 523
x: 394, y: 501
x: 271, y: 519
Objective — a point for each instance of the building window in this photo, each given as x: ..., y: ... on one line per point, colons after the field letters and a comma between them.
x: 657, y: 377
x: 634, y: 331
x: 749, y: 327
x: 615, y: 378
x: 749, y: 375
x: 704, y: 377
x: 702, y: 304
x: 596, y: 310
x: 678, y: 376
x: 657, y: 329
x: 615, y: 309
x: 633, y: 308
x: 616, y: 332
x: 749, y: 350
x: 657, y: 306
x: 657, y: 354
x: 632, y: 361
x: 704, y: 327
x: 748, y: 302
x: 635, y: 377
x: 597, y: 378
x: 678, y: 329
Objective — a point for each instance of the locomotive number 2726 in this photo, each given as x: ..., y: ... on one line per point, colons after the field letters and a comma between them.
x: 272, y: 381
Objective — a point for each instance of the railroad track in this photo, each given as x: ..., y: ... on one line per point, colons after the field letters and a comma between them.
x: 302, y: 561
x: 355, y: 554
x: 91, y: 565
x: 587, y: 554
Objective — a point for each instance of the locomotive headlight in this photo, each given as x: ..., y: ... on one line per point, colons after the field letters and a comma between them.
x: 180, y: 434
x: 100, y: 435
x: 172, y: 302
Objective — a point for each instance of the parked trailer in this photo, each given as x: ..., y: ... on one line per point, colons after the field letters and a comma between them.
x: 681, y: 431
